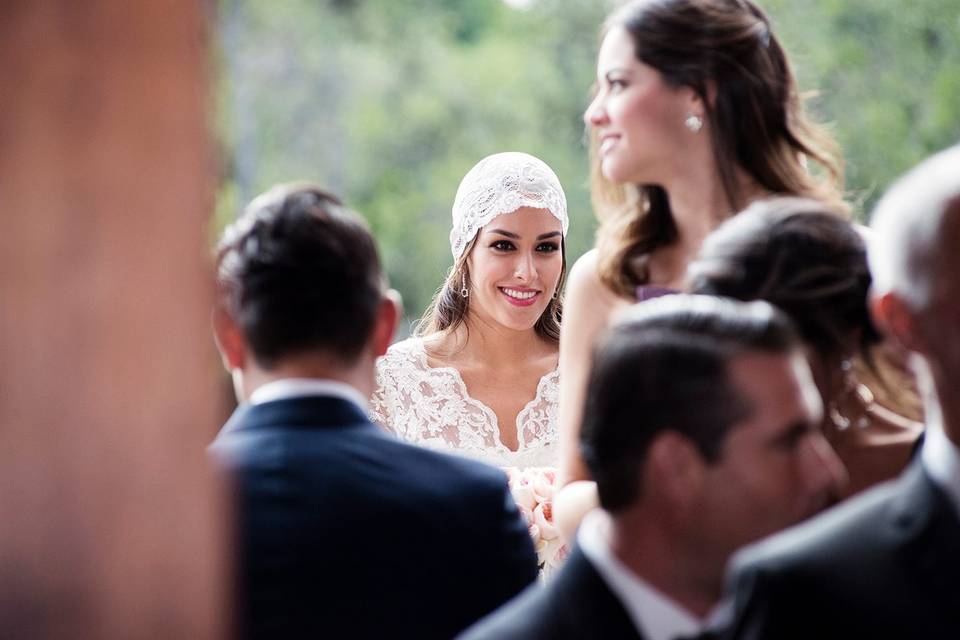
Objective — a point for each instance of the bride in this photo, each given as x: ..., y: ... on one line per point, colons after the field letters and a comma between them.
x: 480, y: 376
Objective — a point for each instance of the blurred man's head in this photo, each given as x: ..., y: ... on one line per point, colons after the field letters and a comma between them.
x: 703, y: 410
x: 915, y: 259
x: 299, y: 285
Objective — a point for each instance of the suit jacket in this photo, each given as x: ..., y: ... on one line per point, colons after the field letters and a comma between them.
x: 346, y: 532
x: 883, y: 565
x: 575, y: 605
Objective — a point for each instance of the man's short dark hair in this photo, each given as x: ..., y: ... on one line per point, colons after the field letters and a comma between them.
x: 299, y: 272
x: 664, y: 366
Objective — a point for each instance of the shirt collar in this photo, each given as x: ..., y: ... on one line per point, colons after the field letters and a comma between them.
x: 298, y: 387
x: 941, y: 459
x: 655, y: 616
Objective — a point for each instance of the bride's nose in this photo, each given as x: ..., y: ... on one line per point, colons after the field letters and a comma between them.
x: 525, y: 269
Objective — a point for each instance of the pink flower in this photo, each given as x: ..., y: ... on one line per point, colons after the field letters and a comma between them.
x: 533, y: 490
x: 557, y: 556
x: 525, y: 497
x: 544, y: 485
x: 543, y: 518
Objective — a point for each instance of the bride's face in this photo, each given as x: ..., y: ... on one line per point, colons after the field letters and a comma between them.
x: 514, y: 268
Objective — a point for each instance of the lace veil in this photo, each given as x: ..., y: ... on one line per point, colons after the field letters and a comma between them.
x: 502, y: 183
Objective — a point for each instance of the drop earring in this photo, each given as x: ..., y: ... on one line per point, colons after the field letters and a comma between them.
x: 853, y: 404
x: 464, y: 292
x: 694, y: 123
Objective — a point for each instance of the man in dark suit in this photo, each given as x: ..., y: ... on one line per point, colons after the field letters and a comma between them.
x: 344, y: 531
x: 700, y: 429
x: 886, y: 564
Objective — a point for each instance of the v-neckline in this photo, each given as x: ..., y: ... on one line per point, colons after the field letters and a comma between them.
x: 490, y: 413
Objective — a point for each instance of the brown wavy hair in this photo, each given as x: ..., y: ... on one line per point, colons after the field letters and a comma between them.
x: 448, y: 309
x: 757, y: 122
x: 802, y: 257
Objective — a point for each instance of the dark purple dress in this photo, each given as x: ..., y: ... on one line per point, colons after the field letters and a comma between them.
x: 649, y: 291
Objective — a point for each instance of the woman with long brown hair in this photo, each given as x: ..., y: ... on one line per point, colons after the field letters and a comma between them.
x: 696, y: 114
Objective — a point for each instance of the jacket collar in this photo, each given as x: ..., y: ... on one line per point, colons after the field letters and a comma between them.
x: 583, y: 595
x: 303, y: 412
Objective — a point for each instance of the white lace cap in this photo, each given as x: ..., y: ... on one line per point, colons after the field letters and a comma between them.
x: 502, y: 183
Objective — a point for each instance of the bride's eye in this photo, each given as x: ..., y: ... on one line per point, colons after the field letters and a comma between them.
x: 502, y: 245
x: 548, y: 247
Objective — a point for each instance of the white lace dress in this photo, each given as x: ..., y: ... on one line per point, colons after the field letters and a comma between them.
x: 430, y: 406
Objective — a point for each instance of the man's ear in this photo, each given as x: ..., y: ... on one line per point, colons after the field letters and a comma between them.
x: 675, y: 466
x: 895, y: 319
x: 229, y: 339
x: 388, y: 316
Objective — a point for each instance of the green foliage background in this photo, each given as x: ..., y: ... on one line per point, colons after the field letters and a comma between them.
x: 389, y: 102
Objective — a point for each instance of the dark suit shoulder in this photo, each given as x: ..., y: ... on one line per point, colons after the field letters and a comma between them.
x: 575, y: 605
x: 530, y: 615
x: 848, y: 530
x: 306, y: 430
x: 879, y: 565
x: 348, y: 531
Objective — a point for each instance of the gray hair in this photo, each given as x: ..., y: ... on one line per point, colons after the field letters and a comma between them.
x: 907, y: 222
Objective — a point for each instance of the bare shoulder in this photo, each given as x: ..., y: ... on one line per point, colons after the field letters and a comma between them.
x: 589, y: 301
x: 584, y: 272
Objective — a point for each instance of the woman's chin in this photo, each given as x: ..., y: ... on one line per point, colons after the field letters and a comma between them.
x: 518, y: 322
x: 615, y: 172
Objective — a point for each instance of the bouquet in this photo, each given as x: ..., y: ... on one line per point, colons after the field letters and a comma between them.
x: 533, y: 490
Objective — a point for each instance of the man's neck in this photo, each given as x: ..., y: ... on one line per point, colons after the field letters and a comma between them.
x: 940, y: 403
x: 359, y: 375
x: 651, y: 553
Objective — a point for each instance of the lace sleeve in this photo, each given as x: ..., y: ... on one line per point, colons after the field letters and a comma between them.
x: 385, y: 397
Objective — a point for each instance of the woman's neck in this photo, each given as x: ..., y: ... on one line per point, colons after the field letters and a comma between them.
x: 479, y: 342
x: 699, y: 202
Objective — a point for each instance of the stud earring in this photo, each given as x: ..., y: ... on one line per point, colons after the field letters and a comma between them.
x: 464, y: 292
x: 694, y: 123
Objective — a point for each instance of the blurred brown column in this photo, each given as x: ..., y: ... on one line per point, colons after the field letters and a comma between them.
x: 110, y: 526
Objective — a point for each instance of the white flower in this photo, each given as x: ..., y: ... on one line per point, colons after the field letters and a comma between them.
x: 543, y: 518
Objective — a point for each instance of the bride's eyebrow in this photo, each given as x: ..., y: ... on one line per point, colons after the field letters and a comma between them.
x: 514, y: 236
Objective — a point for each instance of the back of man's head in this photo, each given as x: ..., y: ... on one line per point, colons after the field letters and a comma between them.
x: 909, y: 244
x: 664, y: 366
x: 297, y: 273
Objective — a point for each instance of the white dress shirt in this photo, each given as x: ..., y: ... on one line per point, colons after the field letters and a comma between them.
x: 941, y: 459
x: 300, y: 387
x: 655, y: 616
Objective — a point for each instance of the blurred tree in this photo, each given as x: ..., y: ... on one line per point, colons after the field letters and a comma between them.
x: 888, y: 76
x: 389, y: 102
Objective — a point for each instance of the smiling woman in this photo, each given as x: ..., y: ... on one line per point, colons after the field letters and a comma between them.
x: 480, y: 378
x: 695, y: 115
